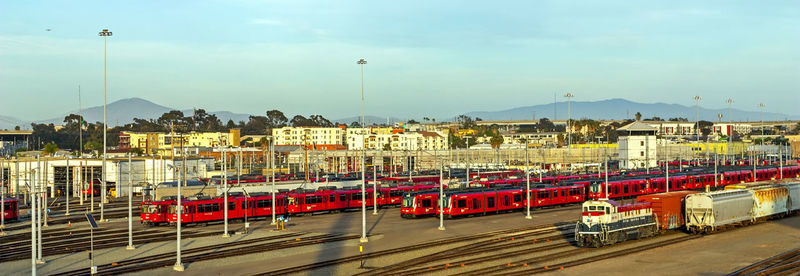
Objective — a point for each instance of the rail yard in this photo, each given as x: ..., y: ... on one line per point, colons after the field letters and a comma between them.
x: 321, y: 236
x: 376, y: 138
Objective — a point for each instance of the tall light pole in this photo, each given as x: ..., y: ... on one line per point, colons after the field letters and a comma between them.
x: 441, y: 196
x: 34, y: 211
x: 80, y: 126
x: 105, y: 34
x: 67, y: 196
x: 762, y: 105
x: 528, y: 182
x: 466, y: 141
x: 178, y: 264
x: 130, y: 203
x: 697, y: 122
x: 730, y: 134
x: 272, y: 173
x: 363, y: 62
x: 225, y: 192
x: 569, y: 118
x: 374, y: 186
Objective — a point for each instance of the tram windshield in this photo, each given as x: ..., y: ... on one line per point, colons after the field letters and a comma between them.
x: 408, y: 202
x: 149, y: 208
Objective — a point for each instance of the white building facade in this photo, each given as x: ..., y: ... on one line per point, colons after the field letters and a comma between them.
x: 637, y: 146
x: 309, y: 136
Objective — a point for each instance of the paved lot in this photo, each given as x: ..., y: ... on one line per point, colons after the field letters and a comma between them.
x: 711, y: 255
x: 717, y: 254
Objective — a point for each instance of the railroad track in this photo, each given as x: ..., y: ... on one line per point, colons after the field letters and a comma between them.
x: 522, y: 269
x: 538, y: 264
x: 787, y: 263
x: 481, y: 247
x: 76, y: 217
x: 11, y: 242
x: 441, y: 242
x: 212, y: 252
x: 107, y: 240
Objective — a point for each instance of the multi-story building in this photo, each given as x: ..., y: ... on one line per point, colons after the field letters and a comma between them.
x: 156, y: 142
x: 376, y: 140
x: 311, y: 136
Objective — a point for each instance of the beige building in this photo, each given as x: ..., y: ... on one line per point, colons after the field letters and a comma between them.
x: 156, y: 142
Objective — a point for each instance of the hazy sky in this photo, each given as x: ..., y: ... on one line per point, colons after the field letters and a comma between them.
x: 425, y: 58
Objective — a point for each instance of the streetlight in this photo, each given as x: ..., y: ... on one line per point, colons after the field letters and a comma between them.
x: 466, y: 138
x: 762, y: 105
x: 569, y: 118
x: 272, y: 172
x: 441, y: 196
x: 179, y: 211
x: 730, y: 126
x: 225, y: 192
x: 697, y: 124
x: 130, y: 203
x: 374, y: 185
x: 34, y: 221
x: 105, y: 34
x: 364, y: 239
x: 528, y: 182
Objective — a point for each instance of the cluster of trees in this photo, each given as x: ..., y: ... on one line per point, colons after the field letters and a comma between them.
x: 67, y: 137
x: 466, y: 122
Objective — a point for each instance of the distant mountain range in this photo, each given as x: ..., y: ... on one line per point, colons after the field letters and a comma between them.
x: 623, y: 109
x: 123, y: 111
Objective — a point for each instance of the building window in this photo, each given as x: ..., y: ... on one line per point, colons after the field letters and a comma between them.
x: 641, y: 143
x: 641, y: 153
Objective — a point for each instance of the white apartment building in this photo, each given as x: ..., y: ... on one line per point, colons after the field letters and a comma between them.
x: 309, y: 136
x: 421, y: 140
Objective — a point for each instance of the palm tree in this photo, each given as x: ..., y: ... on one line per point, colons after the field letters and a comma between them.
x: 50, y: 148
